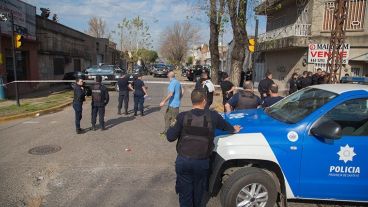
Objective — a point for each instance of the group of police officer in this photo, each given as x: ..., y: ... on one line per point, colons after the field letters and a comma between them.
x: 100, y: 98
x: 194, y: 130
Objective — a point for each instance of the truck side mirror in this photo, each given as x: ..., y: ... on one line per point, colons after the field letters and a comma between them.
x: 326, y: 129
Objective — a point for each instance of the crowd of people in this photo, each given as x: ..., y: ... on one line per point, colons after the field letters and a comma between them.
x: 298, y: 82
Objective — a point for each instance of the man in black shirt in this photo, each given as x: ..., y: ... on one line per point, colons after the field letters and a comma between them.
x: 264, y: 85
x: 194, y: 131
x: 139, y: 93
x: 317, y: 77
x: 79, y: 98
x: 273, y: 98
x: 100, y: 98
x: 244, y: 99
x: 227, y: 88
x: 124, y: 88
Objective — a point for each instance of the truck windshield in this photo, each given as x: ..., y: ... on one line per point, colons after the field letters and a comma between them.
x: 300, y: 104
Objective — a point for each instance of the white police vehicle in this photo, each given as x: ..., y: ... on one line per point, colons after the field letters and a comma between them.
x: 312, y: 144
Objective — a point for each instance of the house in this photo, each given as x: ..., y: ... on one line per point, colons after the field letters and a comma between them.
x: 293, y: 25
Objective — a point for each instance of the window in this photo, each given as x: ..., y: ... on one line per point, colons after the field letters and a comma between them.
x: 299, y: 105
x: 354, y: 18
x: 352, y: 116
x: 59, y: 65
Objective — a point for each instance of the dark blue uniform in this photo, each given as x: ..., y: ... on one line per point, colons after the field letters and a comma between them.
x: 79, y: 98
x: 138, y: 96
x: 123, y: 84
x: 100, y: 98
x: 269, y: 101
x: 264, y: 87
x: 192, y: 174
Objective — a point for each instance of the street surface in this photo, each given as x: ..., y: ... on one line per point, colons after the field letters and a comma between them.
x: 129, y: 164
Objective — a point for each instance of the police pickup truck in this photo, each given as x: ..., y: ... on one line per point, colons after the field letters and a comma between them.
x: 313, y: 144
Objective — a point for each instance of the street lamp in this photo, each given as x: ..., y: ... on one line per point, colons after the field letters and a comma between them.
x: 4, y: 17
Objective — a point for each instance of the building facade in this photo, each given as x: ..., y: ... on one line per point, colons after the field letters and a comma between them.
x: 293, y: 25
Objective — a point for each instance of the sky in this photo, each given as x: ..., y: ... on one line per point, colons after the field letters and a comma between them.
x: 158, y: 14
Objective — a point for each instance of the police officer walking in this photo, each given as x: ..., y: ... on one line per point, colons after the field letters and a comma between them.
x: 194, y: 131
x: 79, y: 98
x: 100, y: 98
x: 139, y: 93
x: 124, y: 87
x: 245, y: 99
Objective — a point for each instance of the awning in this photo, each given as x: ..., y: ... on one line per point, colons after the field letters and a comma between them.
x: 362, y: 58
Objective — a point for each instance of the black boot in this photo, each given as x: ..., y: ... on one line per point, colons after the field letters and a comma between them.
x: 119, y: 112
x: 126, y: 112
x: 79, y: 131
x: 135, y: 113
x: 142, y: 114
x: 103, y: 128
x: 93, y: 128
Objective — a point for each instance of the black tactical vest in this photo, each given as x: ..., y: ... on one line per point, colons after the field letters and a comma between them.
x: 247, y: 100
x: 97, y: 93
x: 196, y: 139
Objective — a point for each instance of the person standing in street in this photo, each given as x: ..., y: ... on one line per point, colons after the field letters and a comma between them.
x: 124, y: 88
x: 227, y: 88
x: 273, y: 98
x: 175, y: 93
x: 100, y: 98
x: 293, y: 83
x: 140, y: 92
x: 209, y: 88
x: 194, y: 131
x: 199, y: 83
x: 79, y: 98
x: 264, y: 85
x: 244, y: 99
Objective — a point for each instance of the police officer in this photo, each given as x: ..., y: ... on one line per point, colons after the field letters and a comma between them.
x: 139, y: 93
x: 100, y: 98
x: 264, y: 85
x: 79, y: 98
x: 124, y: 87
x: 273, y: 98
x: 244, y: 99
x: 194, y: 131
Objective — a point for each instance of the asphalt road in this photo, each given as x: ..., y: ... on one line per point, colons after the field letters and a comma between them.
x: 130, y: 164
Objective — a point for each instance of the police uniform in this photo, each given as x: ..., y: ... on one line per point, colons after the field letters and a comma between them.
x: 194, y: 131
x: 138, y: 96
x: 79, y: 98
x: 294, y: 83
x: 244, y: 100
x: 100, y: 98
x: 269, y: 101
x: 123, y: 84
x: 264, y: 87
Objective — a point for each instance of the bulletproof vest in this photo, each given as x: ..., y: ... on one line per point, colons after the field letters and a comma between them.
x: 196, y: 139
x: 97, y: 93
x: 247, y: 100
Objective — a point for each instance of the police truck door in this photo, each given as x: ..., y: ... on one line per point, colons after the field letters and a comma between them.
x: 338, y: 169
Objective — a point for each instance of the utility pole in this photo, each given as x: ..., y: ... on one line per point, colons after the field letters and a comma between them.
x: 255, y: 49
x: 14, y: 62
x: 337, y: 40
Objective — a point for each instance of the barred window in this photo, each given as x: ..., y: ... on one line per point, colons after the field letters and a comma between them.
x: 354, y: 19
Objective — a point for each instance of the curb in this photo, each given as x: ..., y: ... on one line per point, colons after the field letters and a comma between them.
x: 33, y: 114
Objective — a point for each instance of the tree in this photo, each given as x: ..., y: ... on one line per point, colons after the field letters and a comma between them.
x: 217, y: 8
x: 134, y: 34
x: 148, y: 56
x: 97, y: 27
x: 190, y: 60
x: 177, y: 40
x: 237, y: 13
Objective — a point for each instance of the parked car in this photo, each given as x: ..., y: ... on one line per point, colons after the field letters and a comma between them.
x: 73, y: 75
x: 109, y: 73
x: 160, y: 70
x: 140, y: 70
x: 310, y: 145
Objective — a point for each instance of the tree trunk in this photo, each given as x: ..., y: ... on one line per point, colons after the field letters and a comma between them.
x: 237, y: 12
x: 213, y: 44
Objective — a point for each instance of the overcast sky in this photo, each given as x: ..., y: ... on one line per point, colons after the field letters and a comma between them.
x: 158, y: 14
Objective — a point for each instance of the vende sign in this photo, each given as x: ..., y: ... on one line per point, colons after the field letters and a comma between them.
x: 319, y: 53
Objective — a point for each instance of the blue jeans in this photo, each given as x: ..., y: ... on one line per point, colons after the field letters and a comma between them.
x: 100, y: 110
x: 138, y: 103
x: 78, y: 114
x: 191, y: 180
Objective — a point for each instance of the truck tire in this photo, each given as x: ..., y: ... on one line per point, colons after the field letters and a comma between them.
x: 242, y: 187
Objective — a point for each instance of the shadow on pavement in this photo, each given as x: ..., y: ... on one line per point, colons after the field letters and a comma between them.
x: 151, y: 110
x: 113, y: 122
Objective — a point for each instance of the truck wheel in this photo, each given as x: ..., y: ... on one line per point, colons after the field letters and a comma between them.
x: 249, y: 187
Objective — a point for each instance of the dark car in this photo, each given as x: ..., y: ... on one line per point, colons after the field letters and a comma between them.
x: 140, y: 70
x: 194, y: 73
x: 132, y: 77
x: 109, y: 73
x: 73, y: 75
x: 160, y: 70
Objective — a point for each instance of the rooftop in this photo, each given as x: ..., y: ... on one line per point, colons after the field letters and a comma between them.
x: 341, y: 88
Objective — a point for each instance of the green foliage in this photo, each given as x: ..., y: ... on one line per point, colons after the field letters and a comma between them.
x: 190, y: 60
x: 148, y: 56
